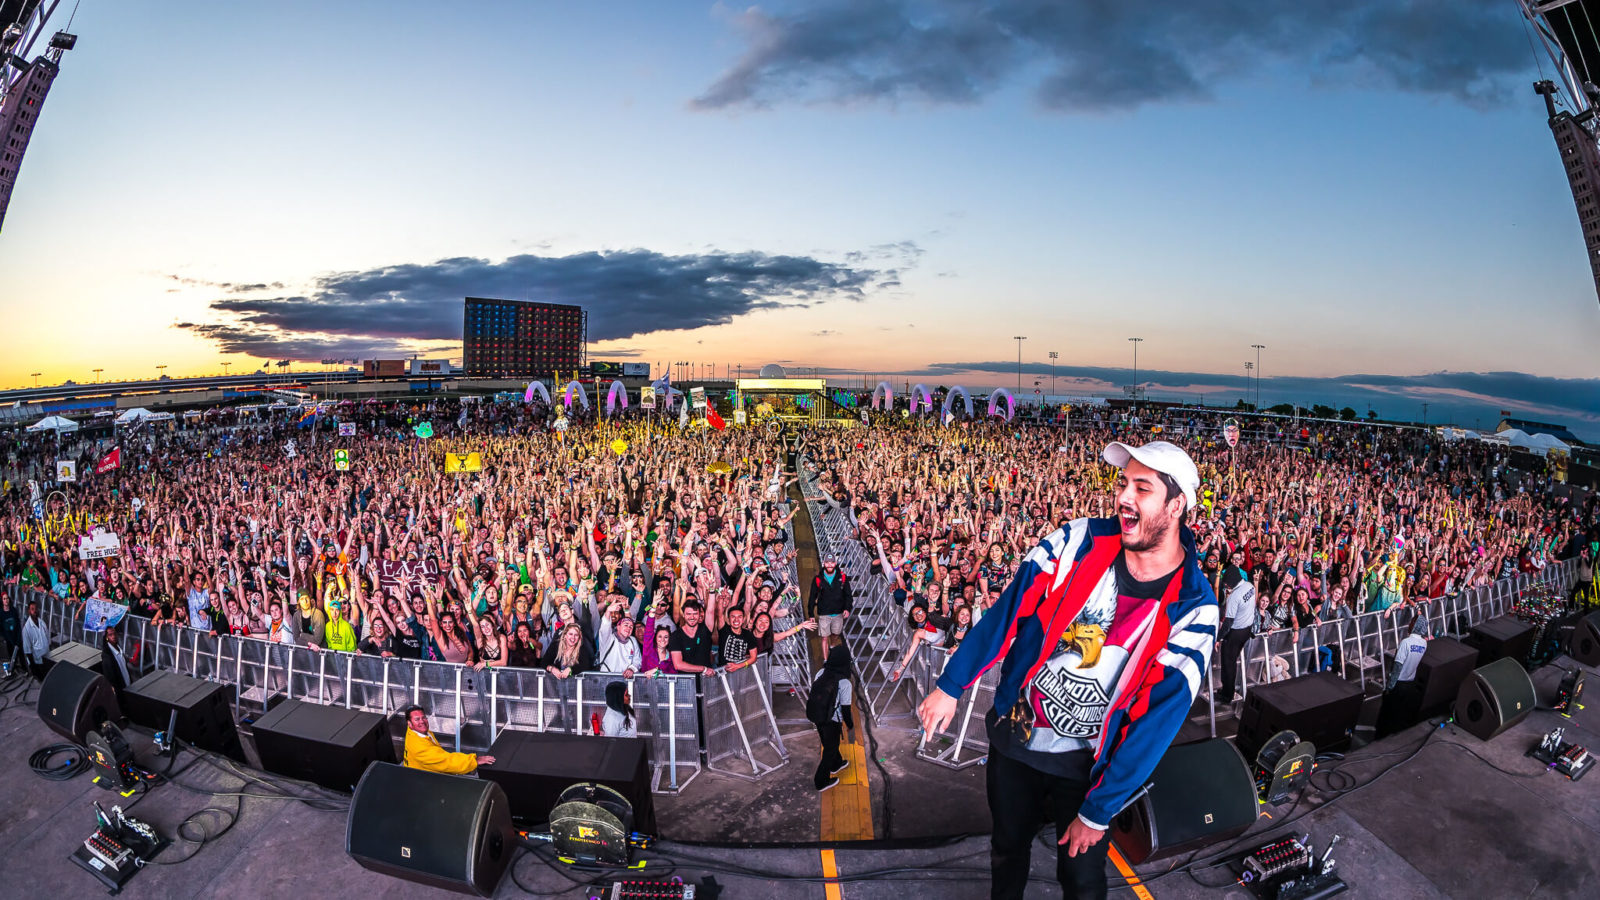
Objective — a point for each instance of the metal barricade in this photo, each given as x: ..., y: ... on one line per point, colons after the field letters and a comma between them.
x: 740, y: 729
x: 965, y: 740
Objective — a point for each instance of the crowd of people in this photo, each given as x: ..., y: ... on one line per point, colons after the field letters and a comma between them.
x: 1317, y: 521
x: 620, y: 547
x: 636, y: 547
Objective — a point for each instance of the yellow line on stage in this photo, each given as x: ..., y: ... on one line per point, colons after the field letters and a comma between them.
x: 847, y: 806
x: 1139, y: 890
x: 830, y: 869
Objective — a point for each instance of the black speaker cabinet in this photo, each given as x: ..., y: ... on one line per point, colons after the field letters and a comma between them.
x: 205, y: 718
x: 1199, y: 794
x: 74, y: 701
x: 535, y: 767
x: 329, y: 745
x: 81, y: 655
x: 1496, y: 697
x: 1446, y: 664
x: 1320, y: 707
x: 1585, y: 643
x: 446, y: 831
x: 1504, y: 638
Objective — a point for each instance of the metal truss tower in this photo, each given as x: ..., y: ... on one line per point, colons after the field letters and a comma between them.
x: 24, y: 84
x: 1570, y: 33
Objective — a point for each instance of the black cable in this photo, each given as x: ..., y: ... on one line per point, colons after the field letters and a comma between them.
x: 40, y: 762
x: 197, y: 820
x: 888, y: 782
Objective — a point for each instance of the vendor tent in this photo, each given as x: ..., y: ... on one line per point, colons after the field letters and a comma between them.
x: 57, y: 424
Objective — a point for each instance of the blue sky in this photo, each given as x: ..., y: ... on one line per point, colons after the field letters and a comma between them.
x: 884, y: 187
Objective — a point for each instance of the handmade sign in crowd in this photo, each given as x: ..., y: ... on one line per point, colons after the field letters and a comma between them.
x: 391, y: 572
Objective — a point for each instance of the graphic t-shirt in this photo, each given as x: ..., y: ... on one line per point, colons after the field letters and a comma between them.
x: 734, y: 647
x: 1071, y: 693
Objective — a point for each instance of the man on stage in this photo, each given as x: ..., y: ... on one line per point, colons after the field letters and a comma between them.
x: 1106, y: 634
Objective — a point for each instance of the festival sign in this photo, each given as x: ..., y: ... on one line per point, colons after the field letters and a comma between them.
x: 98, y: 615
x: 66, y: 470
x: 392, y: 571
x: 341, y: 460
x: 1230, y: 432
x: 463, y: 462
x: 347, y: 429
x: 697, y: 397
x: 647, y: 397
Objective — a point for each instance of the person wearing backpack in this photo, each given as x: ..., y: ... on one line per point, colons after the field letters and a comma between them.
x: 828, y: 708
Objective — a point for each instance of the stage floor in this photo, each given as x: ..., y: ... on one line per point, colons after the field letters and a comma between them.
x: 1441, y: 823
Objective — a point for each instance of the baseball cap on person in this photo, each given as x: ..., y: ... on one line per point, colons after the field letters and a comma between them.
x: 1162, y: 456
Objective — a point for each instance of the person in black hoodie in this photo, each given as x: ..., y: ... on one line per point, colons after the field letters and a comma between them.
x: 828, y: 708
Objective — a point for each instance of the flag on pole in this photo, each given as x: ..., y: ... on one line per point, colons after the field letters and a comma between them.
x: 683, y: 415
x: 108, y: 462
x: 714, y: 420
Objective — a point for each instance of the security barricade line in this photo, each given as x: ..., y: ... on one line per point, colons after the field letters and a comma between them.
x: 474, y: 704
x: 740, y: 729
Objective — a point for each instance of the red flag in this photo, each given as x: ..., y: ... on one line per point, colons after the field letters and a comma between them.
x: 108, y: 462
x: 714, y: 420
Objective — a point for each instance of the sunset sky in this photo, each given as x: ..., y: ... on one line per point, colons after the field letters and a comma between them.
x: 1366, y: 187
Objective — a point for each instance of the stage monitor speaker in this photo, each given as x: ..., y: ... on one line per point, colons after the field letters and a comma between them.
x: 1496, y: 697
x: 73, y: 701
x: 535, y: 767
x: 1506, y: 637
x: 205, y: 717
x: 1198, y: 794
x: 81, y: 655
x: 1320, y: 707
x: 446, y: 831
x: 329, y: 745
x: 1585, y: 643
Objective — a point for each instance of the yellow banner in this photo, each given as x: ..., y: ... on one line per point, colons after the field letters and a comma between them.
x: 463, y: 462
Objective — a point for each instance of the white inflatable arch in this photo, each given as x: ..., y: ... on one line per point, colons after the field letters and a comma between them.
x: 1007, y: 412
x: 883, y: 396
x: 536, y: 388
x: 566, y: 395
x: 921, y: 398
x: 950, y: 397
x: 616, y: 393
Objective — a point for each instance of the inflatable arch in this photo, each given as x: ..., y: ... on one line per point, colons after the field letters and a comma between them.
x: 1009, y: 411
x: 950, y: 397
x: 884, y: 394
x: 921, y: 398
x: 566, y: 395
x: 537, y: 388
x: 616, y: 393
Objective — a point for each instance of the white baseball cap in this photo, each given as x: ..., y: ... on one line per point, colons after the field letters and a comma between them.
x: 1162, y: 456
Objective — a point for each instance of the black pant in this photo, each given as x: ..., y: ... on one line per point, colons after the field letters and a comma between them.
x: 1232, y: 645
x: 1019, y: 798
x: 831, y: 759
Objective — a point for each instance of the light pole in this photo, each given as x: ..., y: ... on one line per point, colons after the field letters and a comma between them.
x: 1424, y: 415
x: 1136, y: 341
x: 36, y: 379
x: 225, y: 366
x: 1053, y: 356
x: 1247, y: 367
x: 1259, y: 348
x: 162, y: 370
x: 97, y: 375
x: 1019, y: 339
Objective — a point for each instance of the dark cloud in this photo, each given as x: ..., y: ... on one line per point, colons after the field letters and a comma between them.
x: 1114, y: 55
x: 626, y: 292
x: 1466, y: 398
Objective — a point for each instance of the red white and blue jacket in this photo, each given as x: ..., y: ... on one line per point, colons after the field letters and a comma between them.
x: 1169, y: 652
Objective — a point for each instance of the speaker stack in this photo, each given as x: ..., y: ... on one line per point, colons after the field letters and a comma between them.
x: 74, y: 701
x: 1584, y: 645
x: 446, y: 831
x: 1198, y: 794
x: 1445, y: 665
x: 329, y: 745
x: 205, y: 718
x: 1506, y: 637
x: 1320, y: 707
x: 534, y: 768
x: 1496, y: 697
x: 81, y: 655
